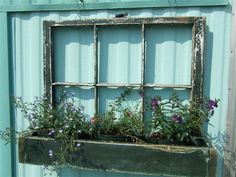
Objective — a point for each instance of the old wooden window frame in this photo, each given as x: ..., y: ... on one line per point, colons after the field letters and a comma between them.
x: 198, y: 38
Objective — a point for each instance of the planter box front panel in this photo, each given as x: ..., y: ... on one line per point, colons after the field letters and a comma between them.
x: 125, y: 157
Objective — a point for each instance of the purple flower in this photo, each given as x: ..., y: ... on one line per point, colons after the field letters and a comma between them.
x: 50, y: 153
x: 51, y: 132
x: 129, y: 114
x: 73, y: 109
x: 177, y: 118
x: 212, y: 104
x: 66, y: 105
x: 154, y: 102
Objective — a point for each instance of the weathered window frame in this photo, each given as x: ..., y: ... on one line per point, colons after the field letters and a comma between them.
x: 198, y: 38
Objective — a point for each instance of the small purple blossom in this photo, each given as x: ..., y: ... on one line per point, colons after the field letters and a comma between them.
x: 51, y: 132
x: 129, y: 114
x: 50, y: 153
x: 66, y: 105
x: 74, y: 109
x: 178, y: 119
x: 154, y: 102
x: 212, y: 104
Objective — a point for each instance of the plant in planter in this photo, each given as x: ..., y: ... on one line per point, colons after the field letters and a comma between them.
x: 64, y: 118
x: 120, y: 122
x: 64, y: 122
x: 178, y: 122
x: 62, y: 134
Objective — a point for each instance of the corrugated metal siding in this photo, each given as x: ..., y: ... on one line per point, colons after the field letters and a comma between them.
x: 73, y: 51
x: 5, y: 151
x: 45, y: 5
x: 20, y: 2
x: 27, y: 65
x: 168, y: 54
x: 230, y: 149
x: 122, y: 50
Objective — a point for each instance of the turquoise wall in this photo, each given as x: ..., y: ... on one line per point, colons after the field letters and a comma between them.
x: 26, y: 69
x: 5, y: 121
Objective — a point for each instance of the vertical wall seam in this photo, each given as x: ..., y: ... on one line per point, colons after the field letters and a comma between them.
x: 230, y: 145
x: 5, y: 151
x: 11, y: 90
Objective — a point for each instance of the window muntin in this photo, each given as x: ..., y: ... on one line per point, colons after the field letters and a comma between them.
x: 90, y: 52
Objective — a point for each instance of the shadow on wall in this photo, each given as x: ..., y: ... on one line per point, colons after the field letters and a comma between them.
x: 207, y: 67
x: 229, y: 158
x: 208, y: 62
x: 219, y: 140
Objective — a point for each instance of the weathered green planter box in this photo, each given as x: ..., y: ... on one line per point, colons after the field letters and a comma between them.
x: 126, y: 157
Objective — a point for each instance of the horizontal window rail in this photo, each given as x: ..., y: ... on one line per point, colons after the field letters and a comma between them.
x: 121, y: 85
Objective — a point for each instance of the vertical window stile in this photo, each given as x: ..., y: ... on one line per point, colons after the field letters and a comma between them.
x: 50, y: 48
x: 198, y: 57
x: 142, y: 66
x: 193, y: 62
x: 48, y: 58
x: 95, y: 55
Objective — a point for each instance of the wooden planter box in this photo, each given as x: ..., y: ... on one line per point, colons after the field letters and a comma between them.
x: 125, y: 157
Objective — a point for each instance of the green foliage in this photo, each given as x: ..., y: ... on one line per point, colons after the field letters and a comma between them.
x: 120, y: 118
x: 39, y: 114
x: 173, y: 121
x: 180, y: 122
